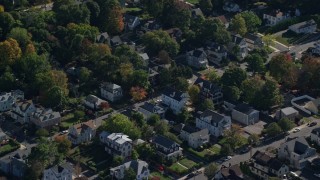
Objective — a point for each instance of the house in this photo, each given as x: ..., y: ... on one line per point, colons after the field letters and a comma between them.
x: 253, y: 41
x: 82, y: 132
x: 45, y: 117
x: 297, y: 151
x: 306, y: 27
x: 238, y: 46
x: 111, y: 92
x: 216, y: 53
x: 175, y: 100
x: 15, y: 164
x: 223, y: 20
x: 8, y: 99
x: 307, y: 104
x: 194, y: 136
x: 265, y: 165
x: 209, y: 90
x: 148, y: 109
x: 197, y: 59
x: 315, y: 136
x: 230, y: 6
x: 22, y: 110
x: 145, y: 58
x: 141, y: 169
x: 288, y: 112
x: 93, y: 102
x: 274, y: 17
x: 313, y: 106
x: 150, y: 26
x: 153, y: 76
x: 175, y: 33
x: 233, y: 172
x: 216, y: 123
x: 115, y: 41
x: 58, y: 172
x: 103, y: 38
x: 245, y: 114
x: 131, y: 22
x: 196, y: 12
x: 117, y: 144
x: 3, y: 136
x: 166, y: 147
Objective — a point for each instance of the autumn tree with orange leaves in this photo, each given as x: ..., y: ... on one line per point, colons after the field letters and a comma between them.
x: 9, y: 52
x: 138, y: 93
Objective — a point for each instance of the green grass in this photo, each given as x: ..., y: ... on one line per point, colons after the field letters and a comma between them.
x: 188, y: 163
x: 193, y: 1
x: 282, y: 40
x: 135, y: 9
x: 213, y: 150
x: 242, y: 141
x: 9, y: 147
x: 178, y: 168
x: 158, y: 174
x: 68, y: 120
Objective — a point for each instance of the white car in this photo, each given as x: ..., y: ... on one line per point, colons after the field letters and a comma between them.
x: 227, y: 158
x: 317, y: 175
x: 293, y: 174
x: 296, y: 130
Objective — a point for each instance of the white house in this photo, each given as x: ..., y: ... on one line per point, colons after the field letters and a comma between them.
x: 245, y: 114
x: 176, y: 100
x: 216, y: 53
x: 148, y: 109
x: 209, y: 90
x: 265, y: 165
x: 93, y: 102
x: 297, y: 151
x: 216, y: 123
x: 197, y: 59
x: 141, y: 168
x: 110, y: 91
x: 315, y: 136
x: 8, y: 99
x: 58, y: 172
x: 82, y: 132
x: 22, y: 110
x: 274, y: 17
x: 166, y: 147
x: 230, y: 6
x: 194, y: 136
x: 117, y: 144
x: 238, y: 46
x: 45, y: 117
x: 131, y: 22
x: 288, y: 112
x: 305, y: 27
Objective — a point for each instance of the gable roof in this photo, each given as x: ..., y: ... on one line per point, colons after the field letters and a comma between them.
x: 289, y: 111
x: 298, y: 145
x: 237, y: 39
x: 196, y: 12
x: 119, y: 138
x: 23, y: 105
x: 244, y: 108
x: 45, y: 114
x: 58, y: 169
x: 138, y: 166
x: 129, y: 18
x: 177, y: 95
x: 266, y: 159
x: 215, y: 117
x: 223, y: 19
x: 163, y: 141
x: 108, y: 86
x: 81, y: 127
x: 198, y: 52
x: 316, y: 131
x: 303, y: 24
x: 252, y: 37
x: 232, y: 172
x: 207, y: 85
x: 190, y: 129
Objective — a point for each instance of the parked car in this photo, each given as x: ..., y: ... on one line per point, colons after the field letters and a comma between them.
x: 296, y: 130
x: 245, y: 149
x: 293, y: 174
x: 227, y: 158
x: 313, y: 124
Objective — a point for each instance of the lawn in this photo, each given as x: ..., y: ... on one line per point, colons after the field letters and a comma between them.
x: 178, y: 168
x: 243, y: 141
x: 9, y: 147
x: 159, y: 175
x: 193, y: 1
x: 188, y: 163
x: 282, y: 40
x: 213, y: 150
x: 134, y: 9
x: 68, y: 120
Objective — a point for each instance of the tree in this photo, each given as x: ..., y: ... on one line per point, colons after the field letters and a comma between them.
x: 42, y: 132
x: 231, y: 93
x: 1, y: 9
x: 207, y: 104
x: 129, y: 174
x: 64, y: 144
x: 9, y: 52
x: 84, y: 74
x: 7, y: 80
x: 69, y: 11
x: 164, y: 57
x: 128, y: 55
x: 184, y: 116
x: 79, y: 115
x: 211, y: 170
x: 194, y: 92
x: 273, y: 129
x: 286, y: 124
x: 233, y: 136
x: 146, y: 151
x: 176, y: 14
x: 238, y: 24
x: 154, y: 8
x: 158, y: 40
x: 251, y: 88
x: 134, y: 155
x: 233, y: 77
x: 226, y: 149
x: 253, y: 139
x: 206, y: 6
x: 268, y: 40
x: 117, y: 160
x: 161, y: 127
x: 115, y: 23
x: 120, y: 123
x: 6, y: 23
x: 138, y: 118
x: 139, y: 78
x: 279, y: 67
x: 212, y: 76
x: 256, y: 63
x: 181, y: 84
x: 21, y: 35
x: 126, y: 70
x: 269, y: 95
x: 252, y: 20
x: 154, y: 119
x: 138, y: 93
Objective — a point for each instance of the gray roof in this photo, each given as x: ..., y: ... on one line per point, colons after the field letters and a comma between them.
x: 45, y: 114
x: 268, y: 160
x: 298, y: 145
x: 138, y: 166
x: 119, y: 138
x: 148, y: 106
x: 163, y: 141
x: 212, y: 87
x: 316, y: 131
x: 289, y: 111
x: 108, y: 86
x: 215, y: 117
x: 190, y: 129
x: 237, y: 39
x: 244, y: 108
x: 196, y: 12
x: 177, y: 95
x: 60, y: 168
x: 144, y: 56
x: 129, y: 18
x: 303, y: 24
x: 198, y: 52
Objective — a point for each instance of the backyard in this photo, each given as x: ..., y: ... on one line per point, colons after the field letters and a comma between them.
x: 182, y: 166
x: 158, y: 175
x: 206, y: 153
x: 9, y: 147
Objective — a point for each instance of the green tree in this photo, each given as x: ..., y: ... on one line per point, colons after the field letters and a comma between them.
x: 256, y: 63
x: 138, y: 119
x: 269, y: 95
x: 9, y: 52
x: 226, y: 149
x: 42, y: 132
x: 253, y: 139
x: 129, y: 174
x: 231, y: 93
x: 286, y: 124
x: 128, y: 55
x: 68, y: 11
x: 206, y: 6
x: 146, y: 151
x: 156, y: 41
x: 147, y: 132
x: 120, y: 123
x: 273, y: 129
x: 279, y: 67
x: 233, y: 136
x: 207, y: 104
x: 251, y: 88
x: 64, y: 145
x: 134, y: 155
x: 84, y: 74
x: 238, y: 24
x: 233, y: 77
x: 79, y: 114
x: 161, y: 127
x: 184, y: 116
x: 194, y: 92
x: 181, y: 84
x: 211, y: 170
x: 21, y: 35
x: 212, y: 76
x: 268, y: 40
x: 154, y: 119
x: 117, y: 160
x: 252, y: 20
x: 154, y: 8
x: 6, y: 23
x: 139, y: 78
x: 7, y: 80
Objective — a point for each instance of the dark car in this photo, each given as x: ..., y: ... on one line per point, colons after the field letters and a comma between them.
x: 313, y: 124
